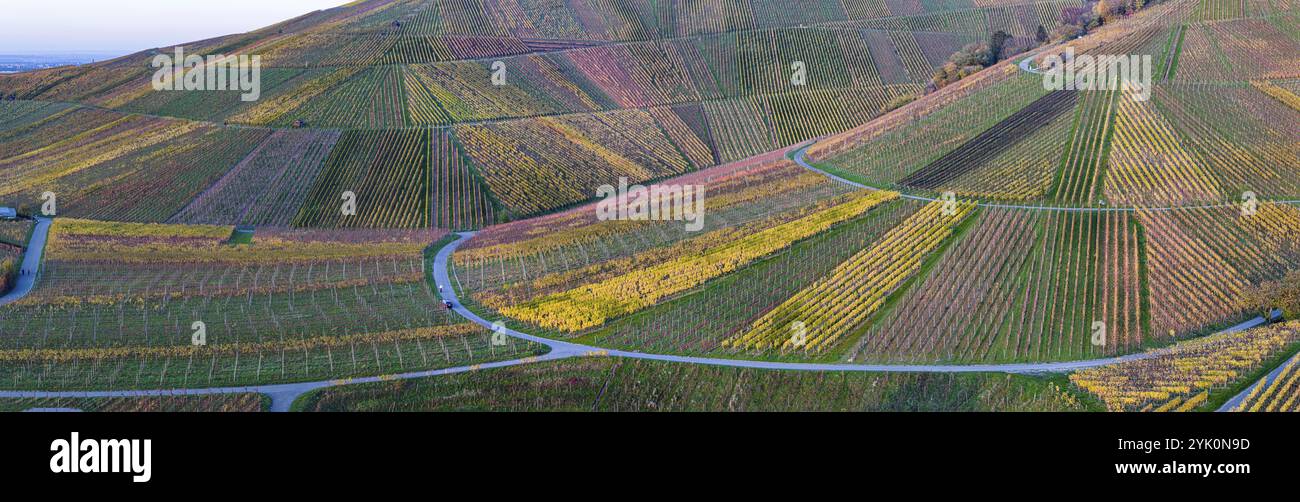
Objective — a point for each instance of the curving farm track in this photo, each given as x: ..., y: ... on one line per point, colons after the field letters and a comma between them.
x: 283, y: 395
x: 31, y: 262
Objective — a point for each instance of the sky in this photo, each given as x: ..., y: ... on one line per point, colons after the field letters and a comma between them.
x: 125, y: 26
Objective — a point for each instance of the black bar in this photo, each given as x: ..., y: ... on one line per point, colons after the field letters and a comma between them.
x: 396, y: 450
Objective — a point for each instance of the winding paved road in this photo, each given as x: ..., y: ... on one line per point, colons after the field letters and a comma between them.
x: 441, y: 277
x: 31, y: 266
x: 283, y: 395
x: 800, y: 157
x: 1027, y: 64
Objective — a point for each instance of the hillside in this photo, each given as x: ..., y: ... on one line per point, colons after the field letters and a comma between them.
x: 989, y: 221
x: 1087, y: 207
x: 1217, y: 124
x: 593, y: 91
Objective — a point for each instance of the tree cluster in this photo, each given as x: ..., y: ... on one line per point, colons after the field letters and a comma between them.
x: 1281, y: 294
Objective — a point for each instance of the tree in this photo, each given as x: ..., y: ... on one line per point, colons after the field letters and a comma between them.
x: 1077, y: 16
x: 1066, y: 32
x: 1015, y: 46
x: 963, y: 63
x: 1108, y: 10
x: 996, y: 41
x: 1282, y: 294
x: 897, y: 102
x: 1041, y: 36
x: 972, y: 55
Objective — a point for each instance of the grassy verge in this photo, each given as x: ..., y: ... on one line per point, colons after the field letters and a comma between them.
x: 1178, y: 50
x: 1144, y: 282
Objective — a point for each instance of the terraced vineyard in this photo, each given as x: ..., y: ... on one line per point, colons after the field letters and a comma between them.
x: 570, y: 114
x: 1084, y: 163
x: 422, y: 188
x: 10, y: 261
x: 914, y: 152
x: 118, y: 303
x: 854, y: 289
x: 1182, y: 377
x: 1023, y: 285
x: 992, y: 142
x: 434, y: 188
x: 14, y: 233
x: 224, y: 403
x: 708, y: 257
x: 536, y: 165
x: 635, y: 386
x: 1275, y: 394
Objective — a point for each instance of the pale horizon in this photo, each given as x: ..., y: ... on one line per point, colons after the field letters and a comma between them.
x: 95, y: 27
